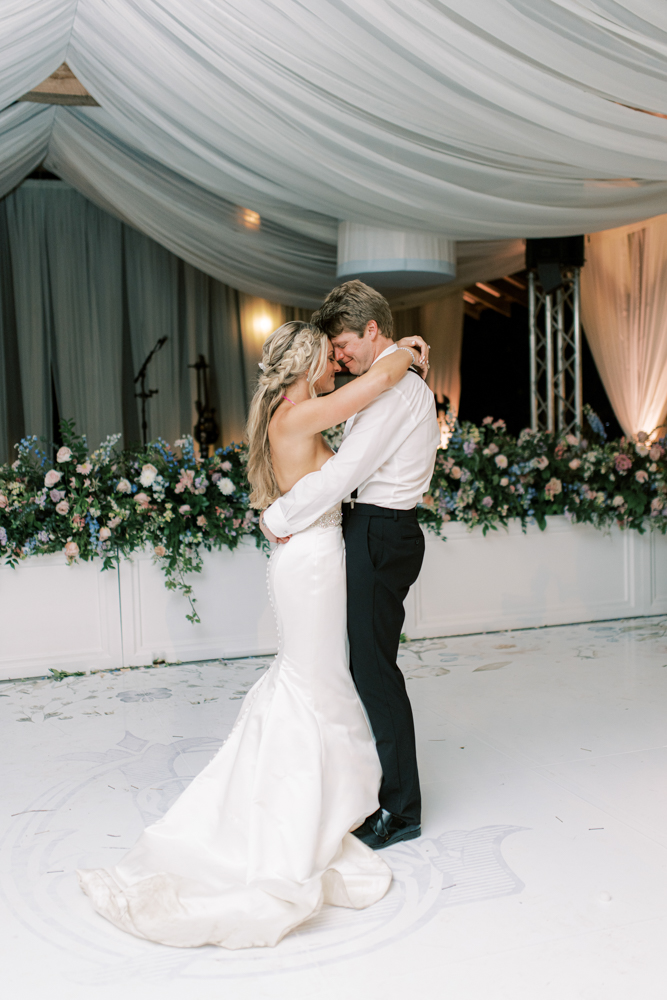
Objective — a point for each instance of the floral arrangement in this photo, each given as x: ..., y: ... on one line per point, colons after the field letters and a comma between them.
x: 110, y: 503
x: 486, y: 477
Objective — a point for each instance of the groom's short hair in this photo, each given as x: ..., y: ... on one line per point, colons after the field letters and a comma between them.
x: 351, y: 306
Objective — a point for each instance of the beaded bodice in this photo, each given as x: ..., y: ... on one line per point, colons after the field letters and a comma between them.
x: 331, y: 519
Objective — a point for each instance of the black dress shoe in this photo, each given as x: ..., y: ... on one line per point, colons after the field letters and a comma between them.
x: 383, y: 829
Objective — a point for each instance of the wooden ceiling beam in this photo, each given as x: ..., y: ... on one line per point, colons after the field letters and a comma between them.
x: 489, y: 301
x: 62, y: 87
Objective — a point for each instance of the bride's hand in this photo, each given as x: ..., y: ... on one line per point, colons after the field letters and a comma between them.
x: 418, y: 343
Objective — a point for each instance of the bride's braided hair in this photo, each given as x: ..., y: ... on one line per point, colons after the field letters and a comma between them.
x: 293, y: 350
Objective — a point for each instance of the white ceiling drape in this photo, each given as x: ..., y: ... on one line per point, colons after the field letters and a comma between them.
x: 481, y: 121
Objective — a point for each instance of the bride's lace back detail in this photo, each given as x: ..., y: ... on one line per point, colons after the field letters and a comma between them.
x: 332, y: 519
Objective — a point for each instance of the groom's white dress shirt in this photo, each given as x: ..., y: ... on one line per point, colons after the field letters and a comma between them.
x: 387, y: 454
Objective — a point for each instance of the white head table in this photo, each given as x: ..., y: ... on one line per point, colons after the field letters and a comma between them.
x: 79, y: 618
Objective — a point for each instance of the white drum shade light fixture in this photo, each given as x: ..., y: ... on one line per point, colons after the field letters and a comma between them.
x: 394, y: 258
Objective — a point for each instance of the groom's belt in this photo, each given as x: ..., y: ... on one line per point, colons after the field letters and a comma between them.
x: 372, y: 510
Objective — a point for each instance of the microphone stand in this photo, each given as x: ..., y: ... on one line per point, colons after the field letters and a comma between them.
x: 145, y: 394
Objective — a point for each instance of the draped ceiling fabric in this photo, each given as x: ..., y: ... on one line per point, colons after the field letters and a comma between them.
x: 486, y: 121
x: 483, y: 123
x: 624, y: 313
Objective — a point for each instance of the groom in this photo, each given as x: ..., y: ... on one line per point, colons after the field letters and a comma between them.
x: 381, y: 471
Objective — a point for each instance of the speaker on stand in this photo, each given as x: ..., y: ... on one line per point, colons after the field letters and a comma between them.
x: 554, y: 319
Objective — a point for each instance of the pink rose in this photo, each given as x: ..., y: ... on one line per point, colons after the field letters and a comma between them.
x: 487, y: 502
x: 493, y: 449
x: 71, y: 550
x: 143, y: 500
x: 455, y: 472
x: 184, y: 508
x: 541, y: 462
x: 62, y: 507
x: 226, y: 466
x: 201, y: 521
x: 657, y: 503
x: 487, y: 420
x: 618, y: 501
x: 575, y: 463
x: 51, y: 478
x: 57, y: 495
x: 160, y: 551
x: 186, y: 481
x: 553, y: 488
x: 104, y: 534
x: 64, y: 454
x: 656, y: 452
x: 504, y: 481
x: 4, y: 502
x: 641, y: 476
x: 114, y: 522
x: 623, y: 462
x: 642, y: 436
x: 572, y: 439
x: 501, y: 461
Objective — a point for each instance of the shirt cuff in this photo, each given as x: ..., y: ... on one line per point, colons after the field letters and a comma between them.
x: 275, y: 521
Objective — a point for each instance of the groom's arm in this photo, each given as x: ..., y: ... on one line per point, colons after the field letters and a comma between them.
x: 378, y: 430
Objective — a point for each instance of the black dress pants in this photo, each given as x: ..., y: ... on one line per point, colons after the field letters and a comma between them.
x: 385, y: 551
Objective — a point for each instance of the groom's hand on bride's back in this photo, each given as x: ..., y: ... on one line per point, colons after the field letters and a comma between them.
x: 268, y: 534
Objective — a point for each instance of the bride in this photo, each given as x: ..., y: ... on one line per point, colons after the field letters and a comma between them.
x: 261, y: 838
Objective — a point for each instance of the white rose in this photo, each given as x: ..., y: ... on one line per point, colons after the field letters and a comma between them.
x: 51, y: 478
x: 148, y: 474
x: 104, y: 534
x: 124, y: 486
x: 618, y: 501
x: 226, y: 466
x: 64, y: 454
x: 504, y: 481
x: 226, y: 486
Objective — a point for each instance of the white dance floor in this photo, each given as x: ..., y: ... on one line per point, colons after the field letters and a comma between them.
x: 541, y: 872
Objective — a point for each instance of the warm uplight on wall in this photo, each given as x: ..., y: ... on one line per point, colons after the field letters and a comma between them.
x: 263, y: 325
x: 249, y: 219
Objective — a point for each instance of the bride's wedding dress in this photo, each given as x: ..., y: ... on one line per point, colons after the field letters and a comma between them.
x: 260, y: 839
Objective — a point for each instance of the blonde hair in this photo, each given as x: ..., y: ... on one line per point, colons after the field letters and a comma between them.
x: 291, y: 351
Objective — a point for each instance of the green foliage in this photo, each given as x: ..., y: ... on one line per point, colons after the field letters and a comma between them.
x: 110, y: 503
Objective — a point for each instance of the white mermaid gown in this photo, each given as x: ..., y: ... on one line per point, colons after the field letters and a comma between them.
x: 261, y: 837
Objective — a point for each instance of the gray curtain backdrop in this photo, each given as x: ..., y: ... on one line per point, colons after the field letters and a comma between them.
x: 83, y: 299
